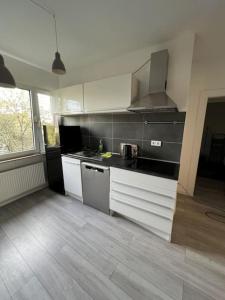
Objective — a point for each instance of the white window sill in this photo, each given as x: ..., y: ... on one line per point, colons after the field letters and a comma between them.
x: 15, y: 158
x: 14, y: 163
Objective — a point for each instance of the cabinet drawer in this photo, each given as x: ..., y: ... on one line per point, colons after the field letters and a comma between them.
x: 143, y: 205
x: 142, y: 216
x: 158, y: 185
x: 69, y: 160
x: 144, y: 194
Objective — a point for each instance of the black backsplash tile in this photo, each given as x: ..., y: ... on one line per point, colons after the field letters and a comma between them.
x: 107, y: 144
x: 116, y: 144
x: 84, y: 130
x: 85, y: 141
x: 105, y: 118
x: 164, y: 132
x: 168, y: 151
x: 118, y: 128
x: 164, y: 117
x: 127, y: 117
x: 101, y: 130
x: 128, y: 130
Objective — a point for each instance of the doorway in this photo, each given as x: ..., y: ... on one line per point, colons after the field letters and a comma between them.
x: 210, y: 181
x: 199, y: 221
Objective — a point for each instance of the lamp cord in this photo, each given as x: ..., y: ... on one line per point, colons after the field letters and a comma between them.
x: 52, y: 13
x: 45, y: 8
x: 56, y: 35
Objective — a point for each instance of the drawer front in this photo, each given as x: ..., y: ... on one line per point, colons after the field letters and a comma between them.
x: 70, y: 160
x: 143, y: 205
x: 146, y: 195
x: 142, y: 216
x: 159, y: 185
x: 147, y: 200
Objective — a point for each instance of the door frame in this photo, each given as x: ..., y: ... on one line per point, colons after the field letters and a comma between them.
x: 200, y: 122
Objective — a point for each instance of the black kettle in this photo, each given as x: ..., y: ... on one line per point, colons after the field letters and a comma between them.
x: 127, y: 152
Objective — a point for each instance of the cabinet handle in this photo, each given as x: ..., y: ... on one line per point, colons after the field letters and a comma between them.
x: 71, y: 163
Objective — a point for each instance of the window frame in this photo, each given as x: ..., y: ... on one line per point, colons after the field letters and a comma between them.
x: 39, y: 128
x: 35, y: 124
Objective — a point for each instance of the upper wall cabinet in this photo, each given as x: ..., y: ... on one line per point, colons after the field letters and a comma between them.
x: 55, y: 102
x: 68, y: 100
x: 110, y: 94
x: 72, y: 100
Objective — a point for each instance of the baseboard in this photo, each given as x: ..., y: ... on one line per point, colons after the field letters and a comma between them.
x: 182, y: 190
x: 41, y: 187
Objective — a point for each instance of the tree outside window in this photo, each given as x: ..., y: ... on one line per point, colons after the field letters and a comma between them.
x: 16, y: 124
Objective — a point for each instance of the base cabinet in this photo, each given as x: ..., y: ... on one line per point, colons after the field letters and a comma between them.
x: 72, y: 177
x: 150, y: 201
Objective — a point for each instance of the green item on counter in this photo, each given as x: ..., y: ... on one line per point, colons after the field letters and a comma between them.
x: 107, y: 155
x: 100, y: 147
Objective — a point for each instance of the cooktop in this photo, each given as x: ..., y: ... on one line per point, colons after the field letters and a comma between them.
x: 87, y: 154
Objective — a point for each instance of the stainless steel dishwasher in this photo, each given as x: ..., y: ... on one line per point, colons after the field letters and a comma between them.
x: 95, y: 185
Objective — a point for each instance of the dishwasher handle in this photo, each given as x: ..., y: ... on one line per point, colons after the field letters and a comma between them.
x: 94, y: 167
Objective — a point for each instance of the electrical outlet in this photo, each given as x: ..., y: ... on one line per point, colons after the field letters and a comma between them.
x: 156, y: 143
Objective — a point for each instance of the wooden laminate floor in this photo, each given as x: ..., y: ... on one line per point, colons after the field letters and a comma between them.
x: 210, y: 192
x: 53, y: 247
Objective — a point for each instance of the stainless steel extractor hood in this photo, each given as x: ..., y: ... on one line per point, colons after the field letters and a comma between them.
x: 156, y: 100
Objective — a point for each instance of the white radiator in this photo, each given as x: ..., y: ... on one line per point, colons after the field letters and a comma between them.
x: 18, y: 182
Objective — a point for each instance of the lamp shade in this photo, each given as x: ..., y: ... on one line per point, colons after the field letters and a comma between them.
x: 6, y: 78
x: 58, y: 66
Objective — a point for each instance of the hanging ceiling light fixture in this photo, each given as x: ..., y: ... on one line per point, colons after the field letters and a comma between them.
x: 6, y: 78
x: 57, y: 65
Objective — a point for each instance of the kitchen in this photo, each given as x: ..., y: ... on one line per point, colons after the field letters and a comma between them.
x: 96, y: 193
x: 93, y: 179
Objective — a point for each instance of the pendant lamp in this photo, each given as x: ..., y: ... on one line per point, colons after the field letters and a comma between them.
x: 57, y: 66
x: 6, y: 78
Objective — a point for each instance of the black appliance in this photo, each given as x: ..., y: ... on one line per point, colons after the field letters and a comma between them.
x: 70, y: 138
x: 54, y: 169
x: 69, y: 141
x: 127, y: 152
x: 87, y: 154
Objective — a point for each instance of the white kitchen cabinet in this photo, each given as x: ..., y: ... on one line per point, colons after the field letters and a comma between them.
x: 147, y: 200
x: 72, y: 100
x: 110, y: 94
x: 72, y: 177
x: 68, y: 100
x: 55, y: 102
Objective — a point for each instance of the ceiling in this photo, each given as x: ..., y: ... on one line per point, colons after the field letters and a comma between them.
x: 93, y: 30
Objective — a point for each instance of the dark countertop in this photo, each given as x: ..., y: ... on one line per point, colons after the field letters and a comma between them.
x: 141, y: 165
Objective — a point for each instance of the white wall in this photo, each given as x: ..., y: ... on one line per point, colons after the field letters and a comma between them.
x: 31, y: 76
x: 208, y: 78
x: 179, y: 73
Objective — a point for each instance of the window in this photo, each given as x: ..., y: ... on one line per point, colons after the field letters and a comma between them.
x: 44, y: 102
x: 49, y: 135
x: 16, y: 122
